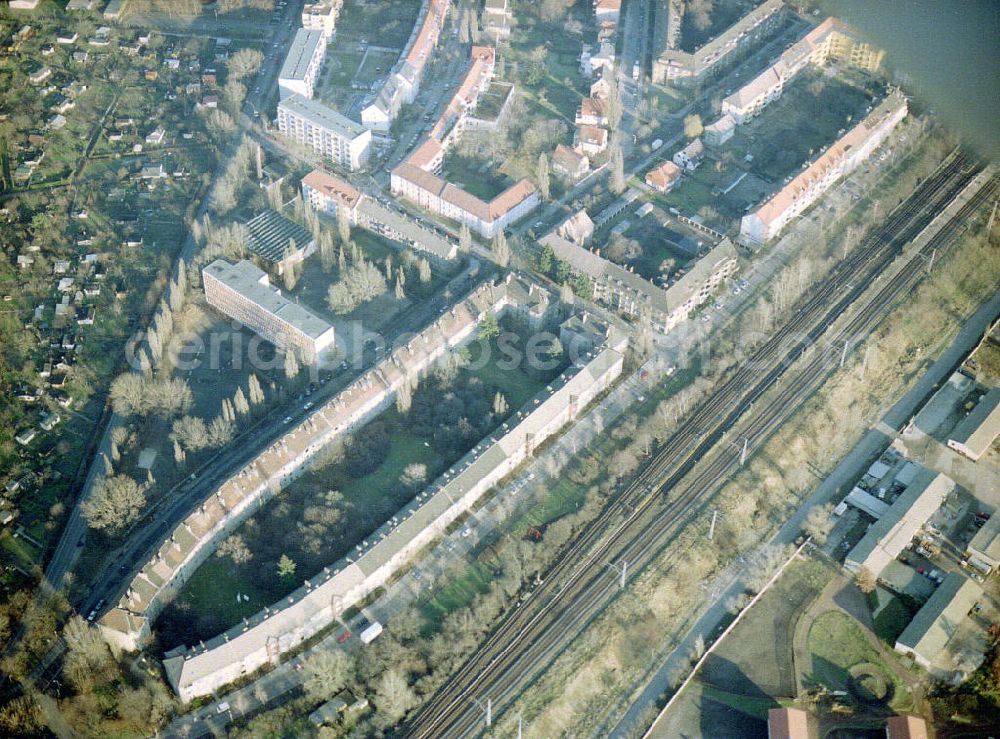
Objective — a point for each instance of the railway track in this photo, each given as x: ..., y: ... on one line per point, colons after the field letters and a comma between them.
x: 636, y: 525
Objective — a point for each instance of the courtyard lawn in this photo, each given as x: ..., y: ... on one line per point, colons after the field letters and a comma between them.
x: 377, y: 492
x: 813, y: 113
x: 213, y: 589
x: 476, y: 177
x: 892, y: 619
x: 371, y: 489
x: 515, y: 385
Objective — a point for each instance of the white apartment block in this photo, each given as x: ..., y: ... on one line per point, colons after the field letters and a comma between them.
x: 841, y: 158
x: 325, y: 131
x: 303, y: 63
x: 322, y: 17
x: 244, y: 292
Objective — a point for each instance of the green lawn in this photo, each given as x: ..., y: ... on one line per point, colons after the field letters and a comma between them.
x: 516, y: 386
x: 24, y: 554
x: 836, y: 644
x: 213, y: 588
x: 756, y: 707
x: 475, y: 177
x: 375, y: 490
x: 892, y: 620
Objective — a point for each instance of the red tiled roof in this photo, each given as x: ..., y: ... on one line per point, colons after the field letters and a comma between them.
x: 332, y: 187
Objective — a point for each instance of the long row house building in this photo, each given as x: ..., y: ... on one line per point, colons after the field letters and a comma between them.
x: 274, y: 631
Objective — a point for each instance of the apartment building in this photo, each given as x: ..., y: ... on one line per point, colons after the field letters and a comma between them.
x: 322, y: 17
x: 244, y: 292
x: 403, y: 82
x: 843, y: 157
x: 720, y: 130
x: 636, y: 297
x: 832, y: 40
x: 273, y: 631
x: 302, y: 65
x: 263, y: 638
x: 485, y: 218
x: 328, y: 194
x: 325, y: 131
x: 679, y: 67
x: 417, y: 179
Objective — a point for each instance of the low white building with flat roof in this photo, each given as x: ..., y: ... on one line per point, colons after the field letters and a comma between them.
x: 975, y: 434
x: 244, y: 292
x: 325, y: 131
x: 303, y: 63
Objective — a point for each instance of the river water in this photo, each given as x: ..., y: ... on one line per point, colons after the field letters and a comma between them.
x: 946, y: 53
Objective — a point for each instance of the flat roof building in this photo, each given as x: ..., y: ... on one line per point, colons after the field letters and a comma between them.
x: 302, y: 65
x: 975, y: 434
x: 275, y: 239
x: 933, y: 631
x: 324, y: 131
x: 893, y: 532
x: 243, y: 292
x: 984, y: 549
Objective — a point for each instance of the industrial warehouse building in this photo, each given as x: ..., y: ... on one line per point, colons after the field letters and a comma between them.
x: 892, y: 533
x: 984, y: 549
x: 324, y: 131
x: 975, y: 434
x: 243, y: 292
x: 938, y: 637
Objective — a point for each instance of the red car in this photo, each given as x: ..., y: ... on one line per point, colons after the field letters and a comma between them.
x: 344, y: 636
